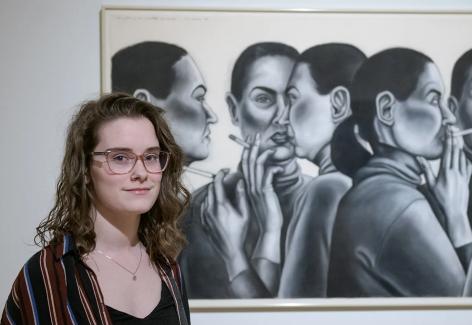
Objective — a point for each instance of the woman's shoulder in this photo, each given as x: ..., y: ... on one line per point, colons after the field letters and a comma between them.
x: 47, y: 257
x: 335, y: 182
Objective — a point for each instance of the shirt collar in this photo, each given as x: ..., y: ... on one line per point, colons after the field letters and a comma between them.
x: 64, y: 247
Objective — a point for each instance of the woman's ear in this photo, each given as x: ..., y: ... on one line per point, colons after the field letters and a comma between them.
x: 232, y: 108
x: 87, y: 176
x: 384, y: 103
x: 453, y: 105
x: 340, y: 104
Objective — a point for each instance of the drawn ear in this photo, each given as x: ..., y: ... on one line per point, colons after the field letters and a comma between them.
x: 232, y: 108
x: 453, y: 105
x: 340, y: 104
x: 143, y: 94
x: 384, y: 103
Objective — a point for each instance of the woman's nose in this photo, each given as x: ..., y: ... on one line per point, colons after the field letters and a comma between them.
x: 211, y: 116
x: 282, y: 111
x: 448, y: 116
x: 139, y: 171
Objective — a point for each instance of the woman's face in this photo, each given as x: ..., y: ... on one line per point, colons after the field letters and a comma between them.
x: 128, y: 194
x: 310, y: 113
x: 263, y: 109
x: 421, y: 121
x: 188, y: 113
x: 464, y: 111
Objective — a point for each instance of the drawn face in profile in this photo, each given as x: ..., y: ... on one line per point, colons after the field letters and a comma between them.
x: 465, y: 108
x: 422, y: 119
x: 263, y: 108
x: 310, y: 113
x: 187, y: 111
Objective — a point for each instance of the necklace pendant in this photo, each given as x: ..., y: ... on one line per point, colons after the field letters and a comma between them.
x: 134, y: 277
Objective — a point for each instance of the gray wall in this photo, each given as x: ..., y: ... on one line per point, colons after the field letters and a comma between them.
x: 49, y: 63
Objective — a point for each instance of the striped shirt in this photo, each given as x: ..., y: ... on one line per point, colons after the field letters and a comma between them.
x: 56, y: 287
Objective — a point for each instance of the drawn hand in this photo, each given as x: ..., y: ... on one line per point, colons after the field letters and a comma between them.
x: 227, y: 225
x: 451, y: 188
x: 258, y: 179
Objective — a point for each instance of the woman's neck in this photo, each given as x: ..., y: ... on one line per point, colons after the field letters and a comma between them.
x: 323, y: 160
x: 115, y: 232
x: 401, y: 156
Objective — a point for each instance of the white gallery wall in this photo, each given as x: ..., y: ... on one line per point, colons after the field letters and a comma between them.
x: 49, y: 63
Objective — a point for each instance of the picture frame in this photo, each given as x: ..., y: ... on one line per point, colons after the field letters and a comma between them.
x: 215, y: 38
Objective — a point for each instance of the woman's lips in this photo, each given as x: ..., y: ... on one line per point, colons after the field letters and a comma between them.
x: 139, y: 190
x: 280, y: 138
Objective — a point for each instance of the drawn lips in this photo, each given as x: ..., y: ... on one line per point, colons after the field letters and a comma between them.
x: 280, y: 138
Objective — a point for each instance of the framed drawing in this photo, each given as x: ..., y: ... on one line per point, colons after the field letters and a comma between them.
x: 316, y: 147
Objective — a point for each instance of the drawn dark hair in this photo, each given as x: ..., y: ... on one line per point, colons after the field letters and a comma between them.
x: 462, y: 68
x: 332, y: 65
x: 147, y: 65
x: 159, y: 229
x: 396, y: 70
x: 249, y: 56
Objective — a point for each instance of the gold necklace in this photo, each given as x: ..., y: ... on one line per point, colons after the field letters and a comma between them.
x: 120, y: 265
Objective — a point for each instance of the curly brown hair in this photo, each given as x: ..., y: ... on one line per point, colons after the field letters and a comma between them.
x: 159, y: 228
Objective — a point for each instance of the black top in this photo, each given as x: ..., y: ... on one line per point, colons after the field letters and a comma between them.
x: 164, y: 313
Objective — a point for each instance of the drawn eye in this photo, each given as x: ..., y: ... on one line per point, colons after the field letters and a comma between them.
x: 263, y: 99
x: 291, y: 97
x: 435, y: 100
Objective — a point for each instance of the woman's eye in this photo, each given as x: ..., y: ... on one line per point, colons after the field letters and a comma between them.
x: 152, y: 157
x: 119, y: 157
x: 435, y: 100
x: 263, y: 99
x: 291, y: 98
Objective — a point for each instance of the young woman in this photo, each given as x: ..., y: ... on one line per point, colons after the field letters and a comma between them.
x: 392, y: 236
x: 111, y: 239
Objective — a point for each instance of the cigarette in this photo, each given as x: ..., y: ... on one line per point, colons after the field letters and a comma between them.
x: 200, y: 172
x: 463, y: 132
x: 239, y: 141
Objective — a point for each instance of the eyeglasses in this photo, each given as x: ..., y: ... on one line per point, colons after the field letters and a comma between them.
x: 123, y: 162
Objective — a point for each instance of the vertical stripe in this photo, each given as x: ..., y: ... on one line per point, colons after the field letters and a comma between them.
x: 31, y: 294
x: 83, y: 300
x: 71, y: 314
x: 61, y: 289
x: 65, y: 272
x: 101, y: 304
x: 9, y: 318
x: 16, y: 299
x: 66, y: 244
x: 47, y: 283
x: 71, y: 263
x: 172, y: 285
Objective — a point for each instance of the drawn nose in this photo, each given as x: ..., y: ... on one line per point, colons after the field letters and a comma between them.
x: 282, y: 111
x: 212, y: 118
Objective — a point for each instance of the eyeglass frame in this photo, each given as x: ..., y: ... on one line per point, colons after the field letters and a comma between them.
x: 138, y: 157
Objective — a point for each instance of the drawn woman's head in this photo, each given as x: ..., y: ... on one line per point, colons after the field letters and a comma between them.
x: 166, y: 76
x: 256, y: 101
x: 318, y: 92
x: 398, y: 101
x: 461, y: 96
